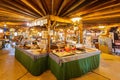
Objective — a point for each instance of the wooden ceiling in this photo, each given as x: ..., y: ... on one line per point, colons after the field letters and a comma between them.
x: 18, y: 12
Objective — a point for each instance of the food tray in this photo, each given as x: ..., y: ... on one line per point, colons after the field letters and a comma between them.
x: 63, y: 54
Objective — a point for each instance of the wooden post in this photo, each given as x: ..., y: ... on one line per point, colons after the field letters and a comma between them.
x: 65, y: 36
x: 48, y: 27
x: 54, y: 38
x: 53, y: 34
x: 81, y: 32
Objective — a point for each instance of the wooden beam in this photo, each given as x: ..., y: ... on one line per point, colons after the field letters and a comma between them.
x: 65, y: 36
x: 106, y: 12
x: 13, y: 15
x: 12, y: 23
x: 90, y: 9
x: 12, y: 20
x: 59, y: 19
x: 62, y: 6
x: 78, y: 12
x: 19, y: 7
x: 110, y: 6
x: 52, y: 6
x: 14, y: 10
x: 31, y: 6
x: 81, y: 32
x: 99, y: 6
x: 41, y: 6
x: 49, y: 37
x: 73, y: 7
x: 102, y: 17
x: 53, y: 25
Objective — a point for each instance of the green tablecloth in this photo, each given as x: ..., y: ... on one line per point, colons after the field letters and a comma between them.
x: 75, y: 68
x: 64, y: 70
x: 35, y: 67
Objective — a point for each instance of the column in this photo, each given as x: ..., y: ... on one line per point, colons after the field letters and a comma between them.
x: 81, y: 32
x: 48, y: 27
x: 65, y: 36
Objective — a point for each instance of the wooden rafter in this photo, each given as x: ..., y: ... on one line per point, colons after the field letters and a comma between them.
x: 62, y: 6
x: 103, y: 17
x: 59, y: 19
x: 52, y: 6
x: 19, y: 7
x: 89, y: 10
x: 14, y: 18
x: 100, y: 6
x: 41, y: 6
x: 106, y: 11
x: 73, y: 7
x: 109, y: 6
x: 28, y: 4
x: 79, y: 11
x: 14, y: 10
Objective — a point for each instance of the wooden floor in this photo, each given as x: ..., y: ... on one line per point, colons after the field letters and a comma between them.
x: 11, y: 69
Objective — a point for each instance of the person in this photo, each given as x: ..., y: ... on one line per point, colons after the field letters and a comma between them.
x: 116, y: 36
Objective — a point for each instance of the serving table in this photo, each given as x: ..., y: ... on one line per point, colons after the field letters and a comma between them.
x: 74, y: 65
x: 35, y: 63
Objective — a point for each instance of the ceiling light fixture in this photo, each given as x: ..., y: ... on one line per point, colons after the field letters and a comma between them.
x: 101, y: 26
x: 76, y: 19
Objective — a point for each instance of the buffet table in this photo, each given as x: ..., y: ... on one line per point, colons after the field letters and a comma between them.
x: 36, y: 64
x: 74, y: 65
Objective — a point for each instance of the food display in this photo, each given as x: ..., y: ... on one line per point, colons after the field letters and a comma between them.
x: 90, y: 49
x: 37, y: 51
x: 78, y: 51
x: 64, y: 53
x: 72, y: 50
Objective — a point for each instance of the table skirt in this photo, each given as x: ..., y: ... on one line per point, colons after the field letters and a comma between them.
x: 74, y: 68
x: 35, y: 67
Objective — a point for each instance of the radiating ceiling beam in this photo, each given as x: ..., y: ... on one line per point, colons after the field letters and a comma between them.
x: 110, y: 6
x: 102, y: 17
x: 12, y: 23
x: 107, y: 11
x: 93, y: 10
x: 41, y: 6
x: 14, y: 18
x: 31, y: 6
x: 99, y: 6
x: 74, y: 13
x: 13, y: 4
x: 62, y: 6
x: 14, y: 10
x: 52, y: 6
x: 11, y: 19
x: 73, y: 7
x: 13, y: 15
x: 59, y: 19
x: 89, y: 10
